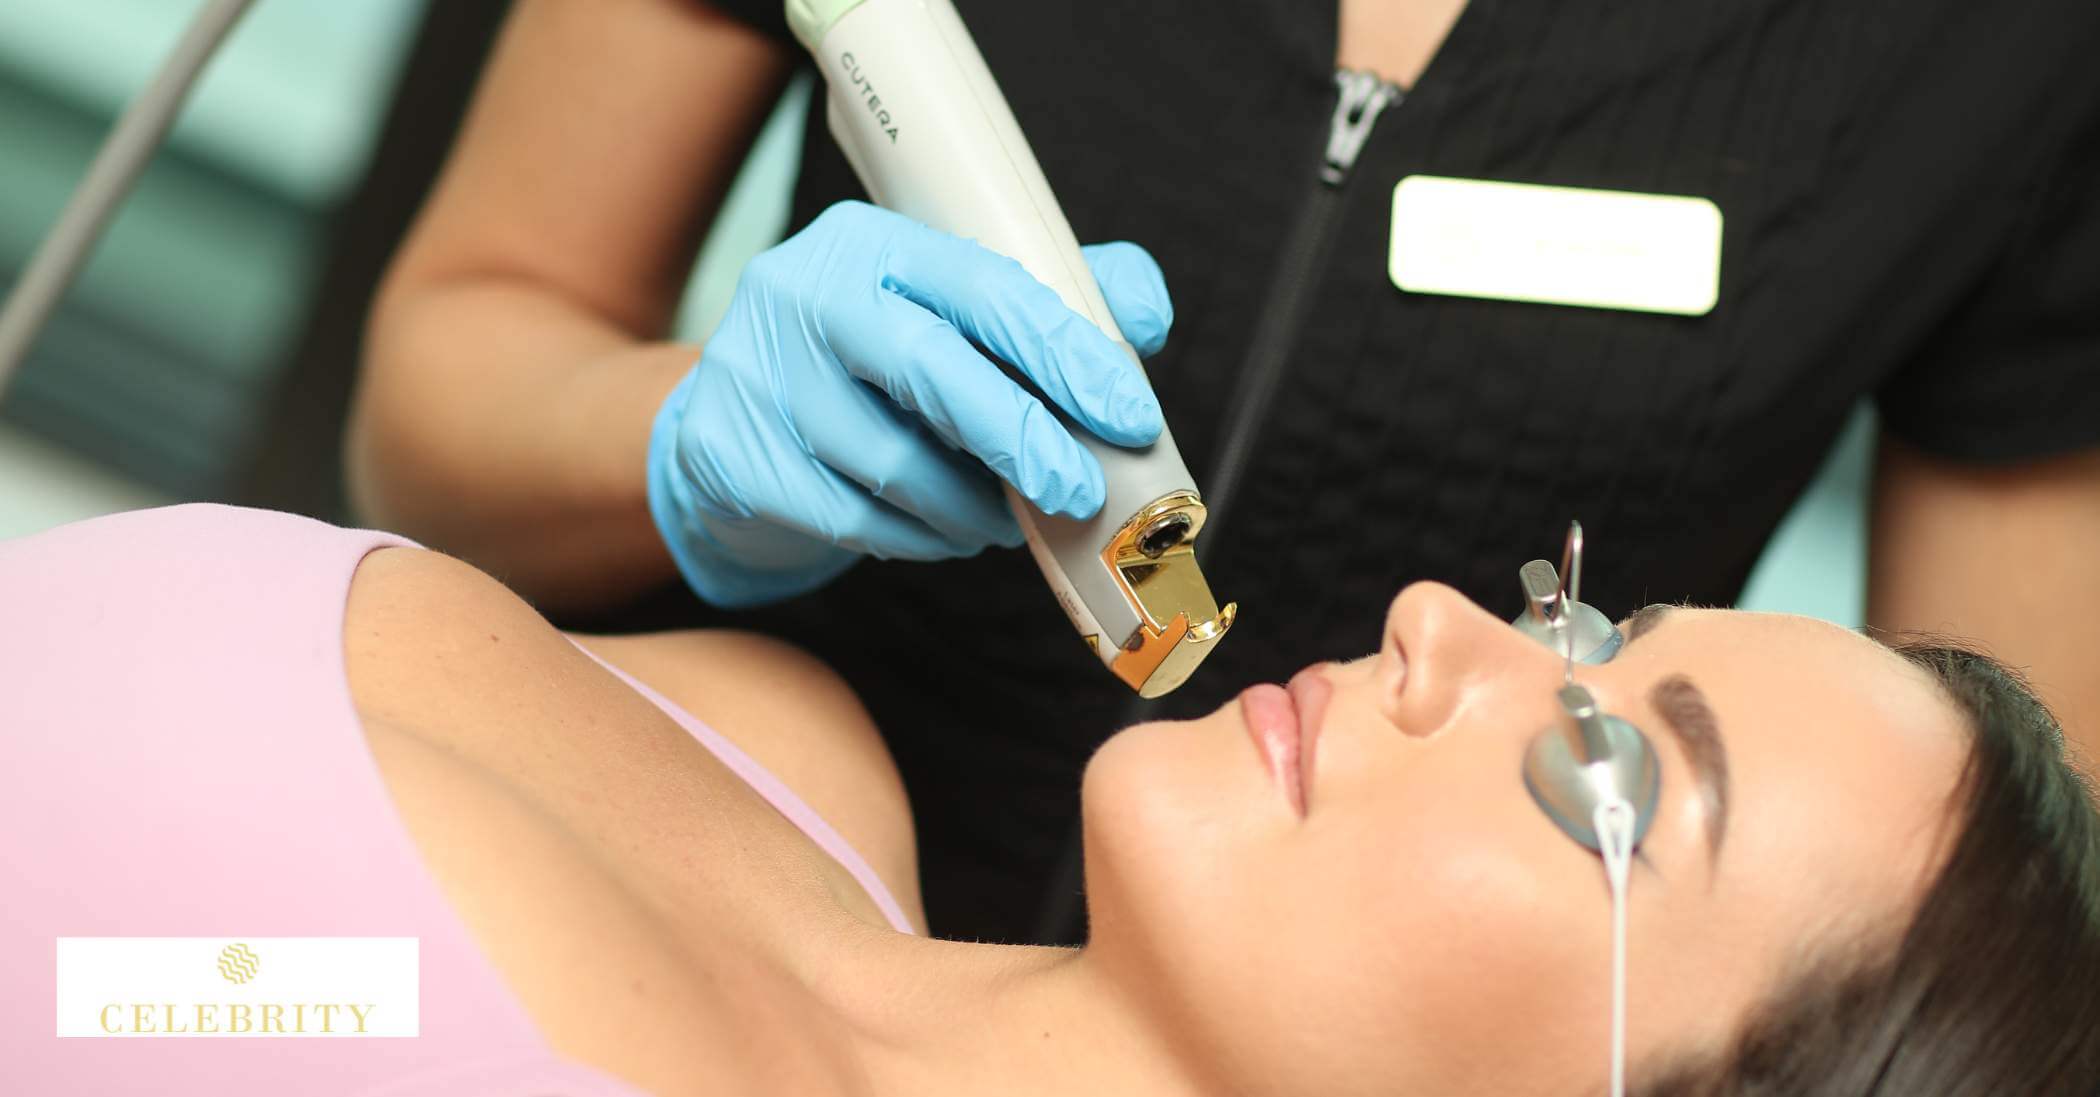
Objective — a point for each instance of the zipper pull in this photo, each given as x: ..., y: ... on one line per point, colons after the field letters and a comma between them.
x: 1363, y: 95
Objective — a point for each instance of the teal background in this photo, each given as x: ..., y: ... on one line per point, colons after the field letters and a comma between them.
x: 160, y: 362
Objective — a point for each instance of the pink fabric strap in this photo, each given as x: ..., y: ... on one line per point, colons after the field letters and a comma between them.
x: 777, y: 794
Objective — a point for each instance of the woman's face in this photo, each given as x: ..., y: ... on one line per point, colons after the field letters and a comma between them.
x: 1422, y: 927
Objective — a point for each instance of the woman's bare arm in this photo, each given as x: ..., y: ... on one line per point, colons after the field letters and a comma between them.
x: 514, y: 358
x: 642, y: 901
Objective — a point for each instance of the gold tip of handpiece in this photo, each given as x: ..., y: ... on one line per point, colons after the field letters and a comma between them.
x: 1153, y: 558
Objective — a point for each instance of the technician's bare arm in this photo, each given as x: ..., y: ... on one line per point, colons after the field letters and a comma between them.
x: 2001, y: 555
x: 514, y: 359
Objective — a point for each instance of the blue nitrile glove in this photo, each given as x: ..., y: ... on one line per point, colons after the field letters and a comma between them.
x: 840, y: 409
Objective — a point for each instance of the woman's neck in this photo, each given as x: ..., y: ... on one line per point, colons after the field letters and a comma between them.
x: 931, y: 1018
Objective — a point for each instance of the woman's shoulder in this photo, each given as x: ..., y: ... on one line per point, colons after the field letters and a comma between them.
x: 796, y: 717
x: 427, y: 634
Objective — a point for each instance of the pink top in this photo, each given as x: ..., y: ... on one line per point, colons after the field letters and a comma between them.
x: 182, y: 759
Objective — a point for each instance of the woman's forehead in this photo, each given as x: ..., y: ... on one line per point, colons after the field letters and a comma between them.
x: 1775, y: 635
x: 1799, y: 682
x: 1843, y: 752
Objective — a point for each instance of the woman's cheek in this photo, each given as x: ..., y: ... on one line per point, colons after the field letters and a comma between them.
x: 1502, y: 941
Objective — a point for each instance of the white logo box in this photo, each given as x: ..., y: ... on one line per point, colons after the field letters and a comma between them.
x: 244, y: 987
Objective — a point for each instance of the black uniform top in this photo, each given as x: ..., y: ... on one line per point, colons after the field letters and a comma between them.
x: 1909, y: 194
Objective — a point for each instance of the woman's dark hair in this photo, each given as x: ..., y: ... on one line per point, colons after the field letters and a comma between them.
x: 1993, y: 990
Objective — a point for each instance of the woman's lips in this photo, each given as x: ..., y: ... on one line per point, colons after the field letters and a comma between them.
x: 1309, y: 690
x: 1271, y: 715
x: 1284, y: 722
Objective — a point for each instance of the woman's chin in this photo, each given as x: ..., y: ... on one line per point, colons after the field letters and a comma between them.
x: 1169, y: 782
x: 1173, y: 813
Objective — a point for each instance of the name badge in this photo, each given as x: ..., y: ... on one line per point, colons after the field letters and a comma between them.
x: 1604, y: 249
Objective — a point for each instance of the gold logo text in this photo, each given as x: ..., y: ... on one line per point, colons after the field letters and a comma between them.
x: 236, y: 1018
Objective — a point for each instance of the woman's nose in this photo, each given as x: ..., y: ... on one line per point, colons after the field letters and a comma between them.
x: 1441, y: 653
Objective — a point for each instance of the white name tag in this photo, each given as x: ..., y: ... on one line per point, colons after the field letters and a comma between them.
x: 1603, y: 249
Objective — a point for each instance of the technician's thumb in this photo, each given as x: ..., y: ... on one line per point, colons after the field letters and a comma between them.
x: 1136, y: 292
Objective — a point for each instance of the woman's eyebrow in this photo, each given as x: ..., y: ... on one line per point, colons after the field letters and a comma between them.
x: 1685, y: 712
x: 1645, y: 618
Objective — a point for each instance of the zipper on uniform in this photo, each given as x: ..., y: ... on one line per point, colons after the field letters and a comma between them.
x: 1362, y: 97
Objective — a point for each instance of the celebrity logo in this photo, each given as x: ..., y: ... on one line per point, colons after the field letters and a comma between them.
x: 238, y: 964
x: 203, y: 986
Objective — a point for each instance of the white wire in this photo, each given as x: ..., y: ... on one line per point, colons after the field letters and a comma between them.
x: 1614, y: 821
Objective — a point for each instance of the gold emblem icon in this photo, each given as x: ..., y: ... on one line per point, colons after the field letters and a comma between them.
x: 238, y: 963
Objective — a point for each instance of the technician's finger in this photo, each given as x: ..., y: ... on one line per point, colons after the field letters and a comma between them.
x: 832, y: 508
x: 997, y: 303
x: 930, y: 370
x: 892, y: 454
x: 1136, y: 292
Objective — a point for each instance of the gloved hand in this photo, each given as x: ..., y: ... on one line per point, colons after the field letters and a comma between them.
x: 840, y: 409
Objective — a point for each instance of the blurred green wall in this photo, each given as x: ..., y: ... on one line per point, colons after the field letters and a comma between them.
x: 165, y: 354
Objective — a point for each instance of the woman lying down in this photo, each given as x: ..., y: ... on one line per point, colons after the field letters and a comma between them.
x: 1869, y: 872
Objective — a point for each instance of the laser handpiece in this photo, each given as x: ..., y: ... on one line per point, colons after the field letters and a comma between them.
x: 936, y: 143
x: 920, y: 119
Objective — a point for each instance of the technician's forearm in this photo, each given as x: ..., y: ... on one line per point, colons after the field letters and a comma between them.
x: 500, y: 423
x: 2000, y: 555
